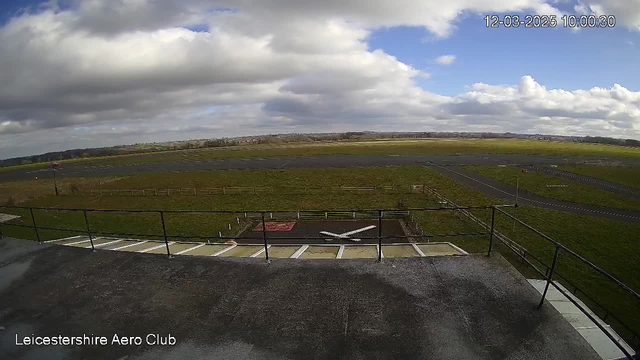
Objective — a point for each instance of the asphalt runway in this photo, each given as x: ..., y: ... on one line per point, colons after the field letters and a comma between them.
x: 500, y: 190
x: 306, y: 162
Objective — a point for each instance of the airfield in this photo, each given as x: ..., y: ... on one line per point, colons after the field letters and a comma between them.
x: 296, y: 231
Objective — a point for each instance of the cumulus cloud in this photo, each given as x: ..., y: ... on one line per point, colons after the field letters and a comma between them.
x: 627, y: 12
x: 98, y: 72
x: 445, y: 59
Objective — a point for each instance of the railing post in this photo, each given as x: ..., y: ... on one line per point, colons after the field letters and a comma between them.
x: 264, y: 237
x: 379, y: 235
x: 493, y: 222
x: 35, y: 227
x: 86, y: 222
x: 550, y: 275
x: 164, y: 232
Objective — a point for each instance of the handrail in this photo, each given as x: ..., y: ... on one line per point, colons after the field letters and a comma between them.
x: 579, y: 257
x: 256, y: 211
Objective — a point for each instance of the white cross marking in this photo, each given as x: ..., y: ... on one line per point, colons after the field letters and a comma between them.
x: 348, y: 233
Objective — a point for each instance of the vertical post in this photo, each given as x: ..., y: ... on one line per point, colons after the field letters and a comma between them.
x: 264, y: 237
x: 86, y: 222
x: 550, y: 275
x: 164, y: 232
x: 35, y: 227
x: 1, y: 235
x: 55, y: 183
x: 493, y: 222
x: 515, y: 209
x: 379, y: 235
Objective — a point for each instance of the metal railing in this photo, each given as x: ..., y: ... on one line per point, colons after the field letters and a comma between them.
x: 379, y: 215
x: 525, y: 256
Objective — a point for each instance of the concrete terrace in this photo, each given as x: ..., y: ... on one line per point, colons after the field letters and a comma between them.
x: 445, y: 307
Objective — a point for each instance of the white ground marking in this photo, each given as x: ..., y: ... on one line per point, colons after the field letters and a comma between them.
x: 77, y: 242
x: 348, y: 233
x: 418, y: 250
x: 457, y: 248
x: 189, y: 249
x: 67, y: 238
x: 299, y: 252
x: 155, y: 247
x: 340, y: 252
x: 260, y: 251
x: 126, y: 246
x: 223, y: 250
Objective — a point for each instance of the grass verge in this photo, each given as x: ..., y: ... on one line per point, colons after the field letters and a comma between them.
x: 629, y: 176
x: 536, y: 182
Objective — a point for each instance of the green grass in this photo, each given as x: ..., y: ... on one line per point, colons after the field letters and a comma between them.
x: 536, y: 182
x: 612, y: 245
x: 629, y: 176
x: 396, y: 146
x: 23, y: 190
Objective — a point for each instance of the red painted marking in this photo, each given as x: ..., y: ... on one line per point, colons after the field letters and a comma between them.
x: 276, y: 226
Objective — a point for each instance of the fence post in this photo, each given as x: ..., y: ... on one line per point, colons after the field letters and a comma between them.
x: 86, y: 222
x: 164, y: 232
x: 550, y: 275
x: 35, y: 227
x: 493, y: 221
x: 264, y: 237
x: 379, y: 235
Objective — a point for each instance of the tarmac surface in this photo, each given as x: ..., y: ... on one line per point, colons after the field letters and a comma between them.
x: 79, y: 169
x: 500, y: 190
x: 308, y: 231
x: 465, y: 307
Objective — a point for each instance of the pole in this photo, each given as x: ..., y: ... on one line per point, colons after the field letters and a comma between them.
x: 553, y: 267
x: 264, y: 237
x: 493, y: 223
x: 35, y: 227
x: 164, y: 232
x: 86, y: 222
x: 379, y: 235
x: 55, y: 184
x: 515, y: 209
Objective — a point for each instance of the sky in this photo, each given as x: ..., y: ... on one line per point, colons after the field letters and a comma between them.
x: 92, y: 73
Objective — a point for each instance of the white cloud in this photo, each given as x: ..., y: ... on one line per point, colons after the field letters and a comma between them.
x: 75, y: 77
x: 445, y: 59
x: 627, y: 12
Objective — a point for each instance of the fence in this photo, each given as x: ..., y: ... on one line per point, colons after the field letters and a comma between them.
x: 379, y: 215
x: 228, y: 190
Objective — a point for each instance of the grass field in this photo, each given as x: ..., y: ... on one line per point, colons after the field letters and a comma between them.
x: 21, y: 191
x: 536, y: 182
x: 607, y: 243
x: 410, y: 146
x: 629, y: 176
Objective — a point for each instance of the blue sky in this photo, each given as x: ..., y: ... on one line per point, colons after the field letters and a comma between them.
x: 558, y: 57
x: 106, y: 72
